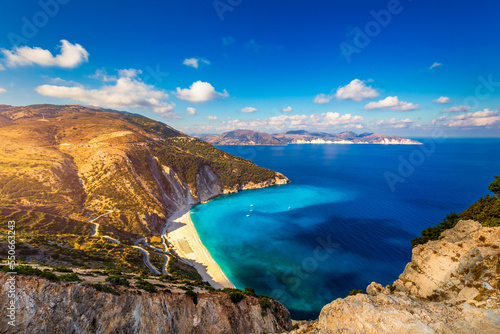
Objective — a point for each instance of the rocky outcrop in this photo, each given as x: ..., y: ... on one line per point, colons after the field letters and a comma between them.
x: 208, y: 184
x: 450, y: 286
x: 280, y: 179
x: 46, y: 307
x: 454, y: 268
x: 399, y: 313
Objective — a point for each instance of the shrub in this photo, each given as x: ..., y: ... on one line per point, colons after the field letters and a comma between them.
x: 146, y: 286
x: 355, y: 292
x: 236, y: 296
x: 70, y: 277
x: 265, y: 303
x: 193, y: 295
x: 103, y: 288
x: 249, y: 292
x: 117, y: 280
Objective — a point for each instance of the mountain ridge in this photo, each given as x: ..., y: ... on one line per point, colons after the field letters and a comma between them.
x: 249, y: 137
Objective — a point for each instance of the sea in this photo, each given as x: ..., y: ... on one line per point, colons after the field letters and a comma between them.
x: 347, y: 218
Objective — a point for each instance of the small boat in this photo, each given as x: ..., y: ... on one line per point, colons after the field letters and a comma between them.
x: 248, y: 215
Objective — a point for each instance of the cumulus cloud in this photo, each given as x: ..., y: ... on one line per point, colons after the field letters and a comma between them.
x: 194, y: 62
x: 287, y: 109
x: 486, y: 118
x: 71, y: 56
x: 435, y: 65
x: 125, y: 93
x: 395, y: 124
x: 356, y: 90
x: 199, y: 91
x: 321, y: 121
x: 442, y: 99
x: 392, y: 102
x: 191, y: 111
x: 212, y: 118
x: 2, y: 90
x: 101, y: 74
x: 456, y: 109
x: 322, y: 98
x: 129, y: 73
x: 248, y: 109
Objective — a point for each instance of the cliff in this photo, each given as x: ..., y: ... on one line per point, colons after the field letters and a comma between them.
x: 46, y: 307
x: 62, y: 166
x: 442, y: 290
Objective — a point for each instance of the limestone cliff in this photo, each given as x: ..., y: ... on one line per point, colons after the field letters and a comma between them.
x: 46, y: 307
x: 450, y: 286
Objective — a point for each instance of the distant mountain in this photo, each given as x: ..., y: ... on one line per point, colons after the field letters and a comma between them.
x: 243, y: 137
x: 249, y: 137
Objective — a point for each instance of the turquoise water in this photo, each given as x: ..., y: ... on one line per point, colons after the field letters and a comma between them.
x: 339, y: 225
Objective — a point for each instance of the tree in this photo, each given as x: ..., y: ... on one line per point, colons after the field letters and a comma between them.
x: 495, y: 185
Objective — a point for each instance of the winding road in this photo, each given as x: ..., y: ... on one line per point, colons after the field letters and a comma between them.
x: 145, y: 256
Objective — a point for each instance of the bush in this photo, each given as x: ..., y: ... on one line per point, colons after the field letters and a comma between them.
x: 62, y: 269
x: 193, y: 295
x: 355, y: 292
x: 117, y: 280
x: 250, y: 292
x: 146, y: 286
x: 265, y: 303
x: 236, y: 296
x: 70, y: 277
x: 434, y: 232
x: 103, y: 288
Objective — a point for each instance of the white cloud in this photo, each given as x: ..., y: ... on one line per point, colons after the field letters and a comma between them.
x: 194, y: 62
x: 356, y: 90
x: 129, y: 73
x: 322, y: 98
x: 2, y: 90
x: 71, y: 56
x: 249, y: 109
x: 395, y: 124
x: 435, y: 65
x: 101, y: 74
x: 212, y: 118
x: 438, y: 120
x: 486, y: 118
x: 199, y: 91
x: 125, y: 93
x: 1, y: 67
x: 442, y: 99
x: 281, y: 122
x: 287, y: 109
x: 191, y: 111
x: 392, y: 102
x: 456, y: 109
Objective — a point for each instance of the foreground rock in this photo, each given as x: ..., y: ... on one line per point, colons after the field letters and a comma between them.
x: 46, y: 307
x: 441, y: 291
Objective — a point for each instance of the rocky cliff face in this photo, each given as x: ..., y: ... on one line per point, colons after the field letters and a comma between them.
x: 45, y: 307
x: 450, y: 286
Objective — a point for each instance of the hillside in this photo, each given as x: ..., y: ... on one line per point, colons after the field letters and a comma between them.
x: 60, y: 166
x: 248, y: 137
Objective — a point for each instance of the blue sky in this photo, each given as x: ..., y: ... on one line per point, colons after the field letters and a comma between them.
x: 396, y: 67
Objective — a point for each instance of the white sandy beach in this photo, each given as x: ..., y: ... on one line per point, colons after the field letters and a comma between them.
x: 182, y: 234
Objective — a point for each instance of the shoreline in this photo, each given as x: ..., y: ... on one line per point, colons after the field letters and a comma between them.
x: 182, y: 235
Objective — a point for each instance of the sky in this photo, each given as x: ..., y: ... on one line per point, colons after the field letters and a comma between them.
x: 395, y: 67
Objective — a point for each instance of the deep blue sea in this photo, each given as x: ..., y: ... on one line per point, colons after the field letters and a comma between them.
x: 340, y: 224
